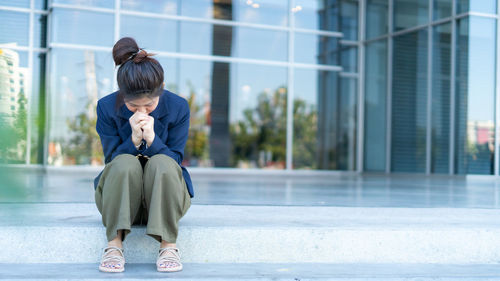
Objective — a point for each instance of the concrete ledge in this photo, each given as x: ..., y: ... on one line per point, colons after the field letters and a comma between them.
x: 72, y: 233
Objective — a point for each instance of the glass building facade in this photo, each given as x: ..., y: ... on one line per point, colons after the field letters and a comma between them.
x: 338, y: 85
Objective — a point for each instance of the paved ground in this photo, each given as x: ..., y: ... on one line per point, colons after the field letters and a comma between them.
x: 414, y: 191
x: 292, y: 272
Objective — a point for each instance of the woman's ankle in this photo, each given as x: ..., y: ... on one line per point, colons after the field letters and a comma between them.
x: 164, y: 244
x: 117, y: 241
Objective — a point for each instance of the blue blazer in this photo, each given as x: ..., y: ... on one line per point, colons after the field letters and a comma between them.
x: 171, y: 130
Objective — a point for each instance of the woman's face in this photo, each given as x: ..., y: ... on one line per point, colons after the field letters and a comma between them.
x: 144, y: 104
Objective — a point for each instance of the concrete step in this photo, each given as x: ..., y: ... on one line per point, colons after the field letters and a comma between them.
x: 73, y: 233
x: 252, y: 271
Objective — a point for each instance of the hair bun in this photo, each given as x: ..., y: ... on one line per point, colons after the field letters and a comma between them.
x: 124, y: 48
x: 140, y: 56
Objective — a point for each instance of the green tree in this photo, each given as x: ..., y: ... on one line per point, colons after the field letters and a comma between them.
x: 84, y: 145
x: 197, y: 143
x: 262, y: 131
x: 305, y: 129
x: 13, y: 130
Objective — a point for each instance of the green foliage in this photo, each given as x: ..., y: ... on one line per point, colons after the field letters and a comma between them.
x: 84, y: 146
x: 262, y: 131
x: 305, y: 129
x: 197, y: 143
x: 13, y: 132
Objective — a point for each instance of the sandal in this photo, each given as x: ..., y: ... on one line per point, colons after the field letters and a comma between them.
x: 106, y: 258
x: 170, y: 262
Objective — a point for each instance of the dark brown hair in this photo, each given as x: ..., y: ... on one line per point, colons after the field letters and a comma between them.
x: 138, y: 74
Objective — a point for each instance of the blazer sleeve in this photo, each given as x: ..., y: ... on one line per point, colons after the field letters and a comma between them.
x: 111, y: 141
x: 176, y: 138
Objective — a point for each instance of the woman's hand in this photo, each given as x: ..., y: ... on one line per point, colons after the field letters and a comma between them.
x: 148, y: 131
x: 137, y: 121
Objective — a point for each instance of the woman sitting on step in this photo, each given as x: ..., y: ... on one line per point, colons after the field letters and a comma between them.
x: 143, y: 130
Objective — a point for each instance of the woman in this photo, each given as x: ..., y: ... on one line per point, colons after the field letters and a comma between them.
x: 143, y: 131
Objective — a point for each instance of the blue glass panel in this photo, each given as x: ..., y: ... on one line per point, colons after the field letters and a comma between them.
x: 167, y: 7
x: 349, y: 58
x: 440, y: 111
x: 375, y: 106
x: 38, y: 109
x: 317, y: 14
x: 15, y: 3
x: 15, y: 28
x: 41, y: 4
x: 161, y: 35
x: 271, y: 12
x: 242, y: 42
x: 94, y: 3
x: 40, y: 31
x: 257, y: 116
x: 249, y: 43
x: 349, y: 19
x: 442, y: 9
x: 316, y: 49
x: 15, y: 81
x: 483, y: 6
x: 475, y: 95
x: 83, y: 27
x: 410, y: 13
x: 238, y: 113
x: 78, y: 79
x: 409, y: 102
x: 377, y: 12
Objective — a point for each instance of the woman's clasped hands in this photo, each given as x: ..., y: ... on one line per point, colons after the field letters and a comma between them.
x: 142, y: 128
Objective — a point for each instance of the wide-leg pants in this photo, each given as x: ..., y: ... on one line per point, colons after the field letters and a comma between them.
x: 154, y: 195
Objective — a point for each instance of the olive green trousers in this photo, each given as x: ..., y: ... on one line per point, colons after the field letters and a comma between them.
x: 154, y: 195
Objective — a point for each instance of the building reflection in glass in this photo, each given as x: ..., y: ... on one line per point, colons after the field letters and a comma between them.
x: 15, y: 83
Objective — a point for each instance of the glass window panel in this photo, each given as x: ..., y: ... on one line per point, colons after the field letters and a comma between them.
x: 202, y: 43
x: 194, y: 83
x: 409, y: 102
x: 475, y: 95
x: 316, y: 49
x: 170, y: 72
x: 375, y: 106
x: 349, y: 59
x: 249, y: 43
x: 40, y: 31
x: 161, y: 35
x: 238, y: 113
x: 442, y: 9
x: 15, y: 28
x: 37, y: 115
x: 79, y: 79
x: 79, y: 27
x: 349, y: 19
x: 410, y: 13
x: 15, y: 82
x: 94, y: 3
x: 441, y: 70
x: 376, y: 18
x: 241, y: 42
x: 41, y: 4
x: 483, y: 6
x: 317, y: 14
x: 167, y: 7
x: 15, y: 3
x: 271, y: 12
x: 257, y: 111
x: 324, y: 120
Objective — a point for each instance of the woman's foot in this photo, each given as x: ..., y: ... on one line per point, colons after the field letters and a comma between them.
x: 112, y: 256
x: 112, y: 260
x: 169, y: 260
